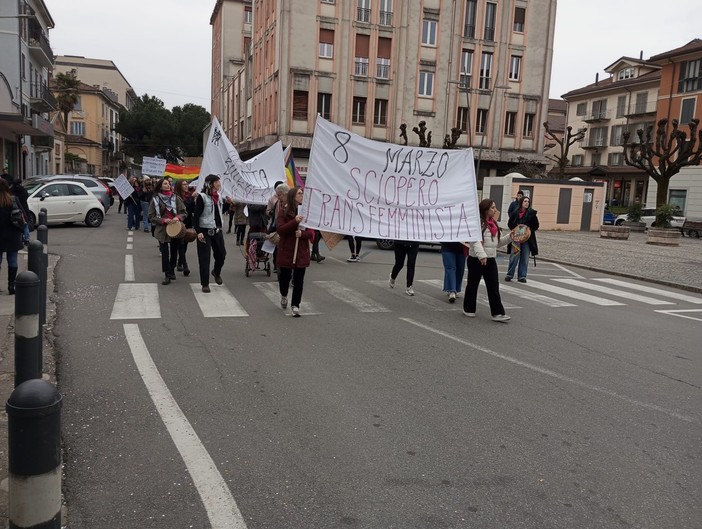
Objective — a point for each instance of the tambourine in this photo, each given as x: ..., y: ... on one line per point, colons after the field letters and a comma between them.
x: 520, y: 233
x: 175, y: 230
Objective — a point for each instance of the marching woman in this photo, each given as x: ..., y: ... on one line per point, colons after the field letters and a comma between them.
x: 10, y: 235
x: 482, y: 263
x: 293, y: 250
x: 519, y: 260
x: 166, y: 208
x: 183, y: 191
x: 208, y: 225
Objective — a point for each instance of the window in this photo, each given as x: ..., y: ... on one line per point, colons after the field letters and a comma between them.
x: 462, y: 119
x: 599, y: 109
x: 519, y: 19
x: 469, y: 24
x: 300, y: 104
x: 528, y: 130
x: 596, y: 159
x: 324, y: 105
x: 466, y: 67
x: 481, y: 121
x: 380, y: 117
x: 78, y: 128
x: 615, y: 158
x: 76, y: 191
x: 383, y: 60
x: 358, y: 115
x: 429, y: 32
x: 385, y: 13
x: 23, y: 67
x: 515, y: 66
x: 363, y: 13
x: 426, y: 83
x: 56, y: 190
x: 578, y: 160
x: 510, y: 120
x: 247, y: 15
x: 626, y: 73
x: 362, y: 53
x: 485, y: 71
x: 687, y: 111
x: 621, y: 106
x: 598, y: 137
x: 326, y: 43
x: 490, y: 12
x: 328, y: 1
x: 581, y: 109
x: 382, y: 68
x: 690, y: 76
x: 677, y: 197
x: 361, y: 67
x: 641, y: 103
x: 617, y: 137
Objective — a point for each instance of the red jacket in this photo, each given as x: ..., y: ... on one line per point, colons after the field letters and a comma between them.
x: 286, y: 228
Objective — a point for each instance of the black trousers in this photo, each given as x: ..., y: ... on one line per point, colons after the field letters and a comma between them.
x: 169, y: 256
x: 213, y: 244
x: 298, y: 277
x: 240, y: 233
x: 182, y: 249
x: 490, y: 274
x: 354, y: 244
x: 410, y: 252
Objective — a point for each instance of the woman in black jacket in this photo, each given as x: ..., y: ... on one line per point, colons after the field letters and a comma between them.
x: 519, y: 260
x: 10, y: 235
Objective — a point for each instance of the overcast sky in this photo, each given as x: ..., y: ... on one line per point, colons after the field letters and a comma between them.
x: 163, y: 47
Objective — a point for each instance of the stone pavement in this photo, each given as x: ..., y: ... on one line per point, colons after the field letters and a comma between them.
x: 674, y: 266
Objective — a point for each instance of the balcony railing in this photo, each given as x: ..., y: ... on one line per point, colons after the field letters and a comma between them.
x: 469, y: 31
x: 382, y: 71
x: 363, y: 14
x: 595, y: 142
x: 39, y: 43
x: 597, y: 115
x: 640, y: 109
x: 385, y: 18
x: 464, y: 80
x: 361, y: 67
x: 489, y: 34
x: 41, y: 99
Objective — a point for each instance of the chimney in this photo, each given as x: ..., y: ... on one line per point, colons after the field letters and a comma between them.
x: 641, y: 55
x: 597, y: 78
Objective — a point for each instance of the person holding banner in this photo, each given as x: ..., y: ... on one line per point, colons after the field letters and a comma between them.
x: 409, y: 250
x: 293, y: 250
x: 482, y: 263
x: 166, y: 208
x: 208, y: 224
x: 454, y: 259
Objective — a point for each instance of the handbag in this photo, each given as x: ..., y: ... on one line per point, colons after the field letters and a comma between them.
x: 17, y: 217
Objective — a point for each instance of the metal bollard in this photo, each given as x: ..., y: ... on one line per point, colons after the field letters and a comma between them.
x: 28, y: 336
x: 35, y: 263
x: 34, y: 455
x: 43, y: 217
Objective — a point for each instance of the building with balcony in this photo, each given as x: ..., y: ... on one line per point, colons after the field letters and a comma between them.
x: 372, y: 65
x: 26, y: 134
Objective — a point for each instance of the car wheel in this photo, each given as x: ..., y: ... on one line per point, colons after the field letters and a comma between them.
x: 33, y: 219
x: 385, y: 244
x: 94, y: 218
x: 618, y: 222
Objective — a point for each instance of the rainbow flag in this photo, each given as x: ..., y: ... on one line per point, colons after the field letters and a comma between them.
x: 291, y: 173
x: 181, y: 172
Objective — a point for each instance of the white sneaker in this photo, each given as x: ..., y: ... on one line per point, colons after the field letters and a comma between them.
x: 295, y: 312
x: 469, y: 314
x: 452, y: 297
x: 391, y: 282
x: 283, y: 302
x: 410, y: 291
x: 351, y: 259
x: 501, y: 317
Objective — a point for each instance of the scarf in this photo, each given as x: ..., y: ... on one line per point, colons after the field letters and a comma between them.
x: 492, y: 226
x: 169, y: 202
x: 215, y: 197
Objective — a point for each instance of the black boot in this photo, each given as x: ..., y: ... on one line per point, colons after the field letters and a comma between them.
x: 11, y: 274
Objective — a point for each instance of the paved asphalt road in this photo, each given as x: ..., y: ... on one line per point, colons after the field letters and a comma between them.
x: 373, y: 410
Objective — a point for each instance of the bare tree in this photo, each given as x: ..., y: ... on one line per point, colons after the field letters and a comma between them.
x: 424, y: 137
x: 450, y: 140
x: 403, y: 132
x: 565, y: 144
x: 663, y: 159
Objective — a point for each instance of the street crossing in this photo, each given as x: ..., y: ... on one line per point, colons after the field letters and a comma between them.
x: 137, y: 301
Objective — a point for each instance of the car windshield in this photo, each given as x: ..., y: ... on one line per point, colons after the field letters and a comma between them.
x: 31, y: 184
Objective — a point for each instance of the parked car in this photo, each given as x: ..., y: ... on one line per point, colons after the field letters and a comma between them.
x: 95, y: 185
x: 65, y: 201
x: 648, y: 217
x: 609, y: 217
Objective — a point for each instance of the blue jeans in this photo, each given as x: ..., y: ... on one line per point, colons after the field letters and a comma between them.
x: 133, y: 211
x: 145, y: 215
x: 11, y: 259
x: 521, y: 258
x: 25, y: 234
x: 454, y: 268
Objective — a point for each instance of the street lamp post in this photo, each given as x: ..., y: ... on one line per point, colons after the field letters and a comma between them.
x: 487, y: 117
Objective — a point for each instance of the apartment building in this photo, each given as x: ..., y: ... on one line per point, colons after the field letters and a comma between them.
x: 372, y: 65
x: 26, y: 134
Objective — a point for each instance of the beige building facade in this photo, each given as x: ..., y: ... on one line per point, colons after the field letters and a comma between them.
x: 372, y: 65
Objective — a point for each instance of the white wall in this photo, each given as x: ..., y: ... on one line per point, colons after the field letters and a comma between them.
x: 689, y: 179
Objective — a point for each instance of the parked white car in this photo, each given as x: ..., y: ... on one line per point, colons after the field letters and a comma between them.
x: 648, y: 217
x: 65, y: 201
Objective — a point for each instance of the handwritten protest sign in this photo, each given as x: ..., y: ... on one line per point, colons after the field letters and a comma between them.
x: 249, y: 181
x: 153, y: 166
x: 362, y: 187
x: 124, y: 188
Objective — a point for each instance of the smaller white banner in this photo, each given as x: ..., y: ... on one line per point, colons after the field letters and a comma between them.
x: 153, y: 166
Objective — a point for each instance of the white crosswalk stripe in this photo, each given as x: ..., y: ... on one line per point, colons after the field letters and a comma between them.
x: 358, y: 301
x: 429, y: 302
x: 136, y: 301
x: 532, y: 296
x: 675, y: 294
x: 614, y: 292
x: 482, y: 295
x: 219, y: 303
x: 581, y: 296
x: 271, y: 291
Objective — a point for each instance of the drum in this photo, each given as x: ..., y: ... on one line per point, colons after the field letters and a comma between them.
x: 520, y: 233
x: 190, y: 235
x: 175, y: 230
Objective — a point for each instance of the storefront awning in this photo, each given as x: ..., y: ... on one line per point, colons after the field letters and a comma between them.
x: 12, y: 125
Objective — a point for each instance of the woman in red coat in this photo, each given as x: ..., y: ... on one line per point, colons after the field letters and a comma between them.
x: 293, y: 250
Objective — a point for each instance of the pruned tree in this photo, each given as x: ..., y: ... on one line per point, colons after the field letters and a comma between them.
x: 450, y: 140
x: 662, y: 157
x: 403, y: 133
x: 424, y: 136
x: 528, y: 168
x: 66, y: 87
x: 565, y: 144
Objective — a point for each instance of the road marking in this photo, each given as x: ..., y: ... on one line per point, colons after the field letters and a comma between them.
x: 129, y: 268
x: 550, y: 302
x: 428, y: 302
x: 130, y: 238
x: 677, y: 313
x: 615, y: 292
x: 554, y: 374
x: 130, y: 247
x: 271, y: 291
x: 651, y: 290
x: 573, y: 294
x: 219, y: 303
x: 482, y: 296
x: 216, y: 497
x: 360, y: 302
x: 567, y: 271
x: 135, y: 301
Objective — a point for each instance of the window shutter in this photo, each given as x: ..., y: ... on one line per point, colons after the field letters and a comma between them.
x: 362, y: 45
x: 681, y: 77
x: 384, y: 48
x: 326, y: 36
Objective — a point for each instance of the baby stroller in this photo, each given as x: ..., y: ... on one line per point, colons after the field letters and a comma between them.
x: 256, y: 258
